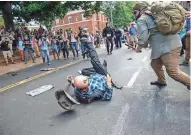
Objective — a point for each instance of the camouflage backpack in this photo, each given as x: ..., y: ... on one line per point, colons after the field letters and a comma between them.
x: 169, y: 16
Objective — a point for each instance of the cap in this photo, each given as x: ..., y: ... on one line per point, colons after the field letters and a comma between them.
x: 141, y: 5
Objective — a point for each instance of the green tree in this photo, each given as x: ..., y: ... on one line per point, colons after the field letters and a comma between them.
x: 45, y: 11
x: 121, y: 12
x: 1, y: 21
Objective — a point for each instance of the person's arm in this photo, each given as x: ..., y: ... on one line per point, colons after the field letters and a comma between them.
x: 108, y: 80
x: 143, y: 34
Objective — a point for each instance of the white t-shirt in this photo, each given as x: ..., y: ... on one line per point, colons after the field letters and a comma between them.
x: 73, y: 38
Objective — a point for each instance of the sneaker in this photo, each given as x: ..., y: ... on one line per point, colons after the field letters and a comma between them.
x: 157, y: 83
x: 185, y: 63
x: 80, y: 72
x: 49, y: 63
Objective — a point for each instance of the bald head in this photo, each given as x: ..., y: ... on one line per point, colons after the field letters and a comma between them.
x: 81, y: 82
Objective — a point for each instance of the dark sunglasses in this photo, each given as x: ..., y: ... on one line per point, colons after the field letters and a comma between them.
x: 134, y: 12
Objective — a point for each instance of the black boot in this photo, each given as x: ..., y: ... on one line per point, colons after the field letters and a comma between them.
x: 157, y: 83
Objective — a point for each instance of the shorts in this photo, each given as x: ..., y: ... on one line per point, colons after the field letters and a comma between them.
x: 54, y: 48
x: 73, y: 45
x: 133, y: 38
x: 7, y: 54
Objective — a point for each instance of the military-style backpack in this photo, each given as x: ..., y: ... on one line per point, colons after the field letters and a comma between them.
x: 169, y: 16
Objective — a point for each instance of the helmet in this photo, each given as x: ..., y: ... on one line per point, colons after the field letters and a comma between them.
x: 80, y: 28
x: 141, y: 5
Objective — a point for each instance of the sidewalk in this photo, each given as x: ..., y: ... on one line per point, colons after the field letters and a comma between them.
x: 21, y: 65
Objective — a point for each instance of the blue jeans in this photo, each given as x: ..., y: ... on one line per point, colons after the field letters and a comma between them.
x: 74, y: 48
x: 27, y: 51
x: 73, y: 45
x: 45, y: 53
x: 83, y: 50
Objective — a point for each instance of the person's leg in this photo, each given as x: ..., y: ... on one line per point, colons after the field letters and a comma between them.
x: 22, y: 54
x: 26, y: 55
x: 107, y: 45
x: 76, y: 48
x: 54, y: 53
x: 64, y: 53
x: 120, y: 42
x: 73, y: 50
x: 43, y: 56
x: 82, y: 50
x: 5, y: 57
x: 37, y: 51
x: 187, y: 43
x: 48, y: 56
x: 116, y: 42
x: 32, y: 54
x: 111, y: 42
x: 57, y: 54
x: 171, y: 62
x: 99, y: 68
x: 88, y: 71
x: 157, y: 64
x: 9, y: 54
x: 67, y: 53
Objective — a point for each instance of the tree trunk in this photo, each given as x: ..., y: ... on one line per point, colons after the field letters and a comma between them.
x: 7, y: 15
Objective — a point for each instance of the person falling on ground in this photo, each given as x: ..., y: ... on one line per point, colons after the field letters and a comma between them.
x: 94, y: 83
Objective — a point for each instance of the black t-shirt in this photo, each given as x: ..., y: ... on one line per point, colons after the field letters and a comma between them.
x: 5, y: 46
x: 118, y: 33
x: 27, y: 42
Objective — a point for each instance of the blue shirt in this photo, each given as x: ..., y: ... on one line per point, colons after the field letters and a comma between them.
x: 20, y: 45
x: 132, y: 31
x: 97, y: 88
x: 44, y: 45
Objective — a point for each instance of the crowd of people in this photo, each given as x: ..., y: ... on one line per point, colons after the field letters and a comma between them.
x: 39, y: 43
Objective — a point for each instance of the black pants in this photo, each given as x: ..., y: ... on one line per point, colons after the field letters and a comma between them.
x: 65, y: 52
x: 75, y: 54
x: 109, y: 42
x: 183, y: 46
x: 118, y: 42
x: 97, y: 66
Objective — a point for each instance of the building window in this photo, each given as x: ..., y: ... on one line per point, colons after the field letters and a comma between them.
x: 76, y: 19
x: 69, y: 19
x: 57, y: 21
x: 83, y: 18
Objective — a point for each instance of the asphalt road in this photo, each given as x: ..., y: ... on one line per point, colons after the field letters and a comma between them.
x: 138, y: 109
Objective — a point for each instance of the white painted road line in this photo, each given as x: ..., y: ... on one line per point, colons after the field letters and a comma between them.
x: 133, y: 78
x: 118, y: 130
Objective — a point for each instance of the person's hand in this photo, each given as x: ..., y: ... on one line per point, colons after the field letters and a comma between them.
x: 108, y: 78
x: 188, y: 33
x: 137, y: 50
x: 69, y: 78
